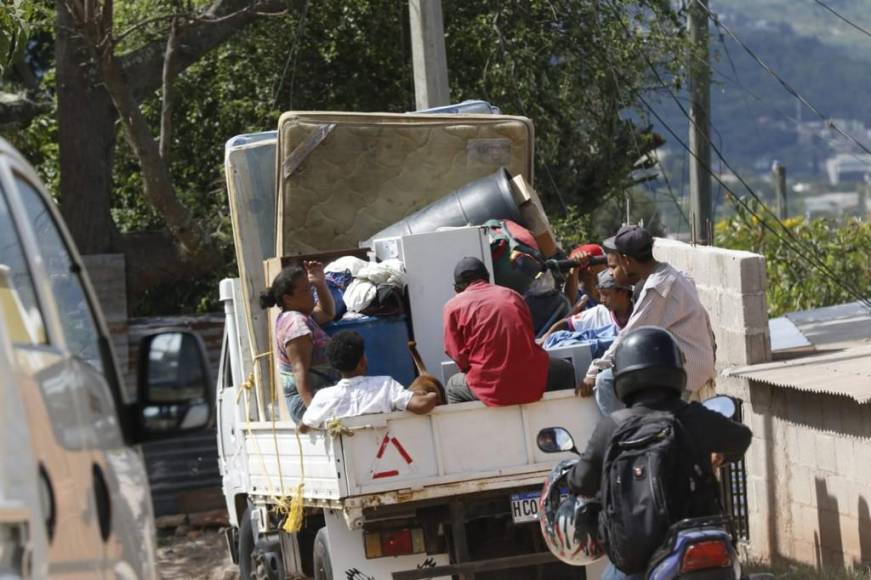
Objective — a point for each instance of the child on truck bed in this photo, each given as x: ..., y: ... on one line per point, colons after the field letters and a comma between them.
x: 358, y: 394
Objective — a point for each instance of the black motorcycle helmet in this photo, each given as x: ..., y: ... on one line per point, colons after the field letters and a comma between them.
x: 648, y: 357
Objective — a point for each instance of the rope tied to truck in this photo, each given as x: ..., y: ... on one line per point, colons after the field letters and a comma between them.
x: 249, y: 383
x: 336, y: 428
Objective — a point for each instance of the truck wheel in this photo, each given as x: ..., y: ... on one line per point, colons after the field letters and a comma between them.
x: 246, y: 546
x: 323, y: 564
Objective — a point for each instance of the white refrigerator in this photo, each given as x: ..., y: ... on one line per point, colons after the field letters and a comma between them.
x: 429, y: 264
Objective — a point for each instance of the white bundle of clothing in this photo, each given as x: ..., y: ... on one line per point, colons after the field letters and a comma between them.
x: 362, y: 291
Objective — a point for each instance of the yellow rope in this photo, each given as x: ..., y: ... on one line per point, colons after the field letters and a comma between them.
x: 335, y: 427
x: 248, y: 390
x: 293, y: 524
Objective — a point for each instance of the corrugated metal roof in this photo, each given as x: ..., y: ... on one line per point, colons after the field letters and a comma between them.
x: 785, y: 336
x: 840, y: 324
x: 844, y: 372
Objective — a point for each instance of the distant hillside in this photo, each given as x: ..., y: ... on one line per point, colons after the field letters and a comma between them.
x: 807, y: 18
x: 756, y: 120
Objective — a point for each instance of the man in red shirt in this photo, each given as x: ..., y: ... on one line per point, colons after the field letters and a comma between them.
x: 488, y: 333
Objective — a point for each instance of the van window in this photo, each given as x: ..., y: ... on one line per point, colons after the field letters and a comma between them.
x: 17, y: 295
x: 76, y: 318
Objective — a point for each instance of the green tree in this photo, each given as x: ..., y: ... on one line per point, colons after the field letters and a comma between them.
x: 793, y: 282
x: 573, y: 67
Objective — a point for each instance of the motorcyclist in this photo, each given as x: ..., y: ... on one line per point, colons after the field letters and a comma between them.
x: 649, y: 376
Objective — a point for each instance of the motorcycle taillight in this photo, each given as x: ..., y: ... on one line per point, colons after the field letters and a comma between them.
x: 706, y: 555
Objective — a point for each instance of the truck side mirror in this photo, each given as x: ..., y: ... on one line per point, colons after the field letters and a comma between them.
x: 173, y: 385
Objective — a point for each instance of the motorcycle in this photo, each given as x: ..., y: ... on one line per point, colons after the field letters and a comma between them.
x: 694, y: 547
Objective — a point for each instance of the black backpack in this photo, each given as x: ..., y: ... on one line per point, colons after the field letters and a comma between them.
x: 652, y: 477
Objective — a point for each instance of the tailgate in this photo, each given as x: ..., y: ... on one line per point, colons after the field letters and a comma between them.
x: 461, y: 445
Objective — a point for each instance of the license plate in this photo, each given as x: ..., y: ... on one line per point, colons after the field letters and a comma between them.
x: 524, y: 507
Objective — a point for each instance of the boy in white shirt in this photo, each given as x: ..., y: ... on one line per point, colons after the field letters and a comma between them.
x: 356, y: 394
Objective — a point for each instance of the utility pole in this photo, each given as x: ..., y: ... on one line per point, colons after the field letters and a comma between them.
x: 779, y: 173
x: 428, y: 53
x: 701, y: 208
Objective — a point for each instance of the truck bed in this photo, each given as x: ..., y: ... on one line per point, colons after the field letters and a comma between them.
x: 401, y: 457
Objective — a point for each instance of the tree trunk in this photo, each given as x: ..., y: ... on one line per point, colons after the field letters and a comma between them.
x: 86, y: 139
x: 159, y: 190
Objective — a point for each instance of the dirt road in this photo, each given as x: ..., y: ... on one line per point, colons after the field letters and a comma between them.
x: 199, y: 553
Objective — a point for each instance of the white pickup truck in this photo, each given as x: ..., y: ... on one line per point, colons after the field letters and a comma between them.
x: 394, y: 496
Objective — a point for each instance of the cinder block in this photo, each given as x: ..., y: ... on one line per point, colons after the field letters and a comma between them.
x: 742, y: 348
x: 839, y: 488
x: 760, y: 395
x: 801, y: 486
x: 808, y: 525
x: 757, y: 424
x: 825, y: 449
x: 857, y: 492
x: 865, y: 412
x: 850, y: 538
x: 845, y: 460
x: 753, y: 274
x: 803, y: 551
x: 862, y: 453
x: 732, y: 310
x: 793, y: 446
x: 756, y: 457
x: 851, y: 419
x: 806, y: 448
x: 759, y: 347
x: 809, y: 410
x: 831, y: 406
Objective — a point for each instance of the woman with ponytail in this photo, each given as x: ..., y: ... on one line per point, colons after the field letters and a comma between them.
x: 300, y: 342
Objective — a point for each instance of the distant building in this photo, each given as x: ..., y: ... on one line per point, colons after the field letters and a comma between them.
x: 836, y: 204
x: 849, y: 168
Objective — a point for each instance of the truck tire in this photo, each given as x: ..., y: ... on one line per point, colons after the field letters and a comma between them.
x: 246, y: 546
x: 322, y: 563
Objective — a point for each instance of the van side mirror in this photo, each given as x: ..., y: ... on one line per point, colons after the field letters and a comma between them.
x: 555, y: 440
x: 173, y: 385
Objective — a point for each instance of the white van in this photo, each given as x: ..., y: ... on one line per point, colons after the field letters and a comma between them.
x: 74, y: 496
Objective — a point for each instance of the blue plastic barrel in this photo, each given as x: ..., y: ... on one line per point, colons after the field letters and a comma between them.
x: 386, y: 345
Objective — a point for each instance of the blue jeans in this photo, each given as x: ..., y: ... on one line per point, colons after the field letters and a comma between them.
x: 612, y: 573
x: 606, y: 397
x: 318, y: 378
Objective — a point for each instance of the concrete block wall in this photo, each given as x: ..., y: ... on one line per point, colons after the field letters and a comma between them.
x: 809, y: 475
x: 809, y: 465
x: 731, y: 286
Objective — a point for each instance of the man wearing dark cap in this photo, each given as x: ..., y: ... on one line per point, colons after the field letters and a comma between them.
x: 488, y: 333
x: 664, y: 297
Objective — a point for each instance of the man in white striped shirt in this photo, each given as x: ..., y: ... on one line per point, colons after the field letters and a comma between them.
x: 665, y: 297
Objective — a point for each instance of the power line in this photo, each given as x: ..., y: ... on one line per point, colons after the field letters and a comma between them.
x: 671, y: 193
x: 776, y: 109
x: 795, y: 243
x: 788, y: 87
x: 843, y: 18
x: 617, y: 86
x: 519, y: 103
x: 809, y: 257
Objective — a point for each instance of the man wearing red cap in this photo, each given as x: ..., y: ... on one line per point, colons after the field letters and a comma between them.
x: 581, y: 286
